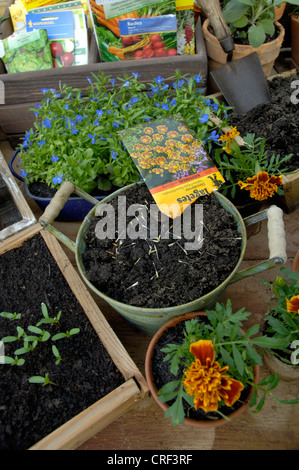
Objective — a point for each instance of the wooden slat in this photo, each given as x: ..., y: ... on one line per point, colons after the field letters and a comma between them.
x: 83, y: 426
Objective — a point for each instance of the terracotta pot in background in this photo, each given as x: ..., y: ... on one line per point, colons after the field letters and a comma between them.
x: 279, y: 11
x: 267, y: 52
x: 154, y: 391
x: 296, y: 263
x: 295, y: 40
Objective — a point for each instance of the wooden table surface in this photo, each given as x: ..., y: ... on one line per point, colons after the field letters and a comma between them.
x: 144, y: 427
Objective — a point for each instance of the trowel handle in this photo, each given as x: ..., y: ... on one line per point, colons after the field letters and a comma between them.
x: 212, y: 10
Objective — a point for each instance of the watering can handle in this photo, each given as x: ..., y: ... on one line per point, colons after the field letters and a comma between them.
x: 276, y: 242
x: 212, y: 10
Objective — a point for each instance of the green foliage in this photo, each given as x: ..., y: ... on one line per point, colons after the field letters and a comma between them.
x: 244, y: 162
x: 75, y: 137
x: 233, y: 347
x: 280, y: 323
x: 253, y: 20
x: 38, y: 379
x: 29, y: 342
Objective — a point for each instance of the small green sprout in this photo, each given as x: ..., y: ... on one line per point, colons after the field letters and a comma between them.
x: 56, y: 354
x: 47, y: 318
x: 67, y: 334
x: 38, y: 379
x: 10, y: 339
x: 13, y: 361
x: 11, y: 316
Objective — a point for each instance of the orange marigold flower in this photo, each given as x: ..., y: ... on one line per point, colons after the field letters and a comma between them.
x: 261, y: 185
x: 293, y: 304
x: 205, y: 379
x: 229, y: 137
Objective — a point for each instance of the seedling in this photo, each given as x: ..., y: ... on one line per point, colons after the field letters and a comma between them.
x: 56, y: 354
x: 10, y: 339
x: 67, y: 334
x: 38, y: 379
x: 11, y: 316
x: 47, y: 318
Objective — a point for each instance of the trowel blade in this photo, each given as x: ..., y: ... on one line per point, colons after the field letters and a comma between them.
x: 243, y: 83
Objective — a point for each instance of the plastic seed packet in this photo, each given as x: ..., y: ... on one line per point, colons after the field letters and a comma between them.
x: 24, y: 52
x: 173, y: 164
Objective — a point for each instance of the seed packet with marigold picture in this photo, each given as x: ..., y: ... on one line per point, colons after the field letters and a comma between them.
x: 173, y: 164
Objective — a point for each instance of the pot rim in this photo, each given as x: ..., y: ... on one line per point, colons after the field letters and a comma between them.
x: 191, y: 306
x: 246, y: 46
x: 149, y: 376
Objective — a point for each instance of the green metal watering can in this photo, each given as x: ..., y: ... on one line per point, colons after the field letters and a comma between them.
x: 149, y: 320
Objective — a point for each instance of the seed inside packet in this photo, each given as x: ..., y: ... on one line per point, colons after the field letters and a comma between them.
x: 173, y: 164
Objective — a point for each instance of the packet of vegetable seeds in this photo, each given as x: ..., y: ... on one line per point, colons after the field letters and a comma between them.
x: 24, y: 52
x: 60, y: 28
x: 173, y: 164
x: 144, y: 38
x: 106, y: 15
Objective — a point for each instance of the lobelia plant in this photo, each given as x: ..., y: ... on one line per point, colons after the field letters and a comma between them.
x: 282, y: 320
x: 75, y: 137
x: 249, y: 167
x: 253, y: 20
x: 214, y: 363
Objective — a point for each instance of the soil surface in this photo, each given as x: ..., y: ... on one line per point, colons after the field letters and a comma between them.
x: 28, y: 412
x: 159, y: 272
x: 162, y: 375
x: 277, y: 121
x: 39, y: 189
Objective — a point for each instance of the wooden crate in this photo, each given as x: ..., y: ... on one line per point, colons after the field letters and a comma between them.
x: 15, y: 213
x: 90, y: 421
x: 23, y: 90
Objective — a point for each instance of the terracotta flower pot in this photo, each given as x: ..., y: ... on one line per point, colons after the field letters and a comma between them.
x: 267, y: 52
x: 295, y: 39
x: 296, y: 262
x: 153, y: 389
x: 279, y: 11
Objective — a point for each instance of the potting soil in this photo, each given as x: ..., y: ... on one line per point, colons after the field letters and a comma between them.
x: 155, y: 273
x: 86, y: 373
x: 277, y: 121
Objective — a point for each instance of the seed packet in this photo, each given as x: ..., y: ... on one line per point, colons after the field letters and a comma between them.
x: 106, y: 15
x: 17, y: 13
x: 24, y: 52
x: 173, y: 164
x: 60, y: 29
x: 186, y: 27
x: 144, y: 38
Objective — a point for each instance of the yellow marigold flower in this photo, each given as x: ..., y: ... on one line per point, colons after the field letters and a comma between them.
x: 205, y: 379
x: 145, y: 139
x: 187, y: 138
x: 261, y: 185
x: 229, y: 137
x: 293, y: 304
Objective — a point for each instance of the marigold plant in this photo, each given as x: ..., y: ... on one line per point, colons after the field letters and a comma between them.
x: 213, y: 366
x: 249, y: 167
x: 282, y: 320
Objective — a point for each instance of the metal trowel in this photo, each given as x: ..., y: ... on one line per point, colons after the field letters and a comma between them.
x: 243, y: 81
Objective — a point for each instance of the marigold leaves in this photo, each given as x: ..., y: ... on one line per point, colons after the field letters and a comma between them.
x: 227, y: 359
x: 254, y: 355
x: 270, y: 342
x: 238, y: 360
x: 277, y: 325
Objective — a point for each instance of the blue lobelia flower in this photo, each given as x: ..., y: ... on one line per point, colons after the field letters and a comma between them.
x: 57, y: 179
x: 47, y: 123
x: 204, y: 118
x: 23, y: 173
x: 214, y: 136
x: 136, y: 74
x: 54, y: 158
x: 93, y: 138
x: 159, y: 79
x: 41, y: 143
x: 114, y: 154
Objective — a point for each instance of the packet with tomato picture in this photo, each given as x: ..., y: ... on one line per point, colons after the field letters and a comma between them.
x: 106, y: 17
x: 144, y: 38
x: 60, y: 29
x: 172, y: 162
